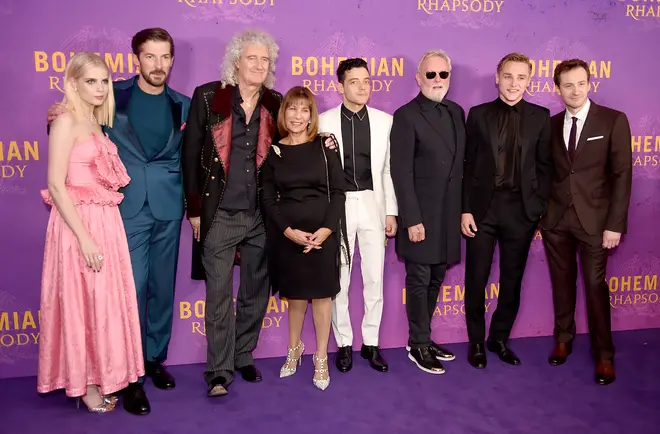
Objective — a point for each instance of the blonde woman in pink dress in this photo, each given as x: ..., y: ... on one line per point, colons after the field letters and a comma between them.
x: 90, y: 342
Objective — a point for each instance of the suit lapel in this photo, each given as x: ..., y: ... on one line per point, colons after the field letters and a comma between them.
x: 177, y: 121
x: 558, y: 139
x: 336, y: 126
x: 588, y: 129
x: 427, y: 113
x: 493, y: 132
x: 122, y: 100
x: 373, y: 142
x: 527, y: 119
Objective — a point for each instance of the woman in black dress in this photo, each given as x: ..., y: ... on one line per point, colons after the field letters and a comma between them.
x: 303, y: 196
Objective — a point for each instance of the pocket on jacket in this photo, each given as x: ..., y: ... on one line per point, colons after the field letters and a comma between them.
x: 173, y: 171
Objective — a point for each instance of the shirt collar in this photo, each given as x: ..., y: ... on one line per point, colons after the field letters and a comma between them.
x: 349, y: 113
x: 238, y: 99
x: 581, y: 114
x: 428, y: 104
x: 519, y: 106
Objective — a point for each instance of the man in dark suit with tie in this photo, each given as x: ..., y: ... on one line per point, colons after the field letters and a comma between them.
x: 587, y: 211
x: 427, y: 143
x: 505, y: 189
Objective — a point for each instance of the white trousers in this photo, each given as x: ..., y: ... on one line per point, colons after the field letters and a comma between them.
x: 362, y: 221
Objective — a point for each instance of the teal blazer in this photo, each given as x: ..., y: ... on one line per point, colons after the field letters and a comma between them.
x: 157, y: 178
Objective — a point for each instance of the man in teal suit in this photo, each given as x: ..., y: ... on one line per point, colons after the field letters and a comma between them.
x: 148, y: 131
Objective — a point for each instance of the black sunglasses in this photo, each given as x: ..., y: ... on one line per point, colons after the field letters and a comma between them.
x: 431, y: 74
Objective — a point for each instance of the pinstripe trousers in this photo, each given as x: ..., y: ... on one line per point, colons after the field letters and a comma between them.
x: 231, y: 340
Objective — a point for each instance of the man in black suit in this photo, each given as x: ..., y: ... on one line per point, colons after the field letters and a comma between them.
x: 427, y: 144
x: 505, y: 190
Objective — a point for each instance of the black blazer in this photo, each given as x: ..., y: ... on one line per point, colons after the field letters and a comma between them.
x: 206, y: 150
x: 481, y: 157
x: 426, y: 173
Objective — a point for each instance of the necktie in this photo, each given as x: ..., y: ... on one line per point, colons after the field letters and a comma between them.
x: 571, y: 140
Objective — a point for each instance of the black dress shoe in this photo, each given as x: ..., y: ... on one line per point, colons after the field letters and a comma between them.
x: 560, y: 353
x: 135, y: 400
x: 426, y: 361
x: 477, y: 356
x: 376, y: 360
x: 505, y: 354
x: 344, y: 360
x: 441, y: 353
x: 159, y: 375
x: 218, y: 387
x: 250, y: 373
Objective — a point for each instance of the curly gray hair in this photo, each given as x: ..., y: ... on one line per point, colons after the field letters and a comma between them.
x: 234, y: 50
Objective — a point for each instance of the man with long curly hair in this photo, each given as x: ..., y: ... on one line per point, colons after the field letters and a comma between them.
x: 230, y: 129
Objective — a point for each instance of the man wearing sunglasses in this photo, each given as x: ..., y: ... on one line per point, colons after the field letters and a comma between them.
x: 507, y: 179
x: 427, y: 144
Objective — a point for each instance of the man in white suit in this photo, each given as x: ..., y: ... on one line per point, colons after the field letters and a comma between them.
x: 363, y: 134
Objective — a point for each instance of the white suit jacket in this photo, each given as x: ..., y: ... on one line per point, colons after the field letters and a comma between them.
x: 380, y: 124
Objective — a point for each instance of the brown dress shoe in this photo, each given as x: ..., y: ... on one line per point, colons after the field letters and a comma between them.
x: 605, y: 372
x: 560, y: 353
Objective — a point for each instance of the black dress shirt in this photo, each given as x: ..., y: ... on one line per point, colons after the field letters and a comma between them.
x: 507, y: 176
x: 356, y: 139
x: 241, y: 190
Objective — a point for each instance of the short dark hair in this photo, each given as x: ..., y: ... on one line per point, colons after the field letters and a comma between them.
x: 568, y: 65
x: 153, y: 34
x: 348, y: 64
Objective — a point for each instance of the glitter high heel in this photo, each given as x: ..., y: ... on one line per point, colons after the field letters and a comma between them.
x: 285, y: 371
x: 110, y: 399
x: 103, y: 407
x: 321, y: 383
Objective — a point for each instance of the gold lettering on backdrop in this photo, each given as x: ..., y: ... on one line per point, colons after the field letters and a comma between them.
x: 430, y: 7
x: 197, y: 311
x: 195, y: 3
x: 120, y: 64
x: 13, y: 152
x: 634, y: 289
x: 542, y: 76
x: 451, y: 298
x: 19, y: 328
x: 199, y: 328
x: 646, y: 150
x: 380, y: 68
x: 641, y: 11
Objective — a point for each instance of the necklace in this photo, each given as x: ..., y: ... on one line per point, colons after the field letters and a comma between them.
x: 248, y: 103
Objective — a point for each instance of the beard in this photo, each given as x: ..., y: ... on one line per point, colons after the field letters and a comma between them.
x: 436, y: 95
x: 153, y: 80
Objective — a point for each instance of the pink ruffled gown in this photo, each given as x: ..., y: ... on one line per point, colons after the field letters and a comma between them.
x: 90, y: 329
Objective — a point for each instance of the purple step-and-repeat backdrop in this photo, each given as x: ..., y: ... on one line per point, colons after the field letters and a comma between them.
x: 616, y: 38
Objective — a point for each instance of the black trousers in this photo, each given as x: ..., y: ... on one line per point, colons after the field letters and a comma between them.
x: 507, y: 224
x: 423, y: 283
x: 231, y: 337
x: 561, y: 245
